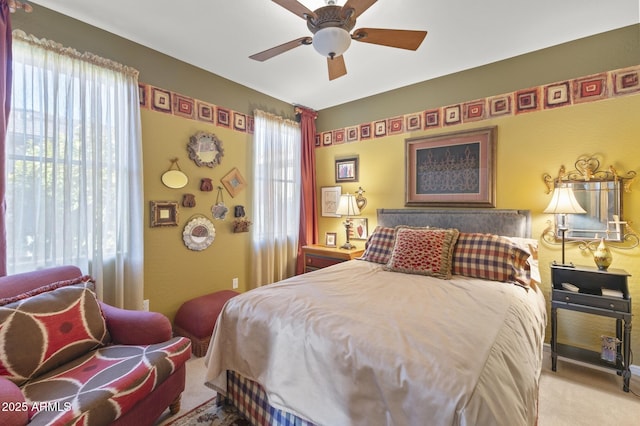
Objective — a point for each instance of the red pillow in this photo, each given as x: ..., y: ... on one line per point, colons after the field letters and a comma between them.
x: 423, y: 251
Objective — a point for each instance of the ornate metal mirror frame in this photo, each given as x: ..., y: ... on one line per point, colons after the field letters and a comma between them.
x: 600, y: 193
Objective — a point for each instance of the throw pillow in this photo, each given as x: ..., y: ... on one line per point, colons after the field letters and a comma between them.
x: 42, y: 332
x: 379, y: 246
x: 490, y: 257
x: 83, y: 281
x: 424, y: 251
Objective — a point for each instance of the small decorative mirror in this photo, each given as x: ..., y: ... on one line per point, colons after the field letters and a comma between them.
x: 174, y: 177
x: 599, y: 193
x: 205, y: 149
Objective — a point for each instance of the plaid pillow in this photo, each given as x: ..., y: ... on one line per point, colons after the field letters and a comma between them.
x: 423, y: 251
x: 490, y: 257
x: 379, y: 246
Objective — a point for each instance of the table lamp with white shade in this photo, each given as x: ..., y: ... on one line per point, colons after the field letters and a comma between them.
x: 563, y: 202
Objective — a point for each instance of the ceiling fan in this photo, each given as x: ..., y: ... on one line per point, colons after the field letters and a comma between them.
x: 331, y: 25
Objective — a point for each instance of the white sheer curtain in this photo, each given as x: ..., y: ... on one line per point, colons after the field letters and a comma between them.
x: 276, y: 197
x: 74, y: 168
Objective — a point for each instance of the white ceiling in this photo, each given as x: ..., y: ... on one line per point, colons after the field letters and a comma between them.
x: 219, y: 36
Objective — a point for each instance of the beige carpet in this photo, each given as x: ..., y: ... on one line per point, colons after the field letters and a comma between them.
x: 575, y: 395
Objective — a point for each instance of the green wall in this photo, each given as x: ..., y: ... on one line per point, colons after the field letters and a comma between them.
x: 604, y: 52
x: 173, y: 273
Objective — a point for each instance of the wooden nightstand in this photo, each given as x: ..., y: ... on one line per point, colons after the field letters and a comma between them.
x: 588, y: 298
x: 318, y: 257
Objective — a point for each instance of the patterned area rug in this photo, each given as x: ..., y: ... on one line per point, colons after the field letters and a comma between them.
x: 210, y: 414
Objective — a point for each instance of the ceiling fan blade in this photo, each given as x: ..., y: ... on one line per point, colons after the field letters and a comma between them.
x: 358, y: 5
x: 274, y: 51
x: 296, y: 7
x: 403, y: 39
x: 337, y: 68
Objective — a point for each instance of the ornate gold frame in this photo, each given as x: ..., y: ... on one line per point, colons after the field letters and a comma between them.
x: 587, y: 168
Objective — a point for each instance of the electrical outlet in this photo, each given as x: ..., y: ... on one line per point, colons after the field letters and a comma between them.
x: 234, y: 283
x: 145, y: 305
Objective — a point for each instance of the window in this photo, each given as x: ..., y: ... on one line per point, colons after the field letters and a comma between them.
x: 276, y: 199
x: 74, y: 162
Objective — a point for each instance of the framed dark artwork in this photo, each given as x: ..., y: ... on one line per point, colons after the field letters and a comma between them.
x: 347, y: 169
x: 453, y: 169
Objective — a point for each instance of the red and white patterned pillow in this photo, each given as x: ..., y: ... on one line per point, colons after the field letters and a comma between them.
x: 379, y: 246
x: 424, y: 251
x: 491, y: 257
x: 45, y: 331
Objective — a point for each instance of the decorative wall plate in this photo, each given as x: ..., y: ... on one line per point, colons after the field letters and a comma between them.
x: 198, y: 233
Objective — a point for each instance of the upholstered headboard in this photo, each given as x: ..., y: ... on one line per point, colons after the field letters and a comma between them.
x: 514, y: 223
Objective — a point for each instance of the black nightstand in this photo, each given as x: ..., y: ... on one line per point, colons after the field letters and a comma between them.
x: 589, y: 299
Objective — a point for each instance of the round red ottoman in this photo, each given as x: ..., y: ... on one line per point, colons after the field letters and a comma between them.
x: 197, y: 317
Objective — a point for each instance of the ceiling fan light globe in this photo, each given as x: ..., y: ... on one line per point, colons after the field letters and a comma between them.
x: 331, y: 41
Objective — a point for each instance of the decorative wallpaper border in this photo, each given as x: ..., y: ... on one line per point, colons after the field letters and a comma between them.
x: 597, y: 87
x: 165, y: 101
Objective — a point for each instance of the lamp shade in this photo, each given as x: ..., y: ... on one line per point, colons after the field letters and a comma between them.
x: 348, y: 206
x: 331, y: 42
x: 564, y: 202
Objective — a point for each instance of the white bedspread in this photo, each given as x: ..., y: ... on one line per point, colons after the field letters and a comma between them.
x: 356, y: 345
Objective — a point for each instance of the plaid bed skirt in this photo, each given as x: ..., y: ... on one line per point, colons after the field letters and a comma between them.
x: 250, y: 399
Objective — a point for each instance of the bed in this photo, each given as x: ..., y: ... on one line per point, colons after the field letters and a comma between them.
x: 393, y: 339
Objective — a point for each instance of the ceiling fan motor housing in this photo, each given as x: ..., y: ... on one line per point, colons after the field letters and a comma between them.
x: 331, y: 27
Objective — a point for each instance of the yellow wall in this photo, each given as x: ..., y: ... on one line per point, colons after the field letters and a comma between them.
x: 173, y: 273
x: 528, y: 146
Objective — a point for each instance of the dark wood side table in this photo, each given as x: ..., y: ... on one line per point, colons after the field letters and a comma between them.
x: 588, y: 298
x: 317, y: 256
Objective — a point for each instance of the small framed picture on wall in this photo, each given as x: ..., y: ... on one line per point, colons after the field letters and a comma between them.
x: 347, y: 169
x: 359, y: 228
x: 330, y: 199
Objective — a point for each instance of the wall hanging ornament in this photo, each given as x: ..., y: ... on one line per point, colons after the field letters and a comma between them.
x: 234, y: 182
x: 198, y: 233
x: 240, y: 223
x: 174, y: 177
x: 219, y: 210
x: 206, y: 185
x: 188, y: 200
x: 205, y: 149
x: 361, y: 201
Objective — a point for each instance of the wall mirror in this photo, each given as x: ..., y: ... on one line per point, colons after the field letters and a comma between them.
x: 603, y: 203
x: 600, y: 193
x: 205, y: 149
x: 174, y: 177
